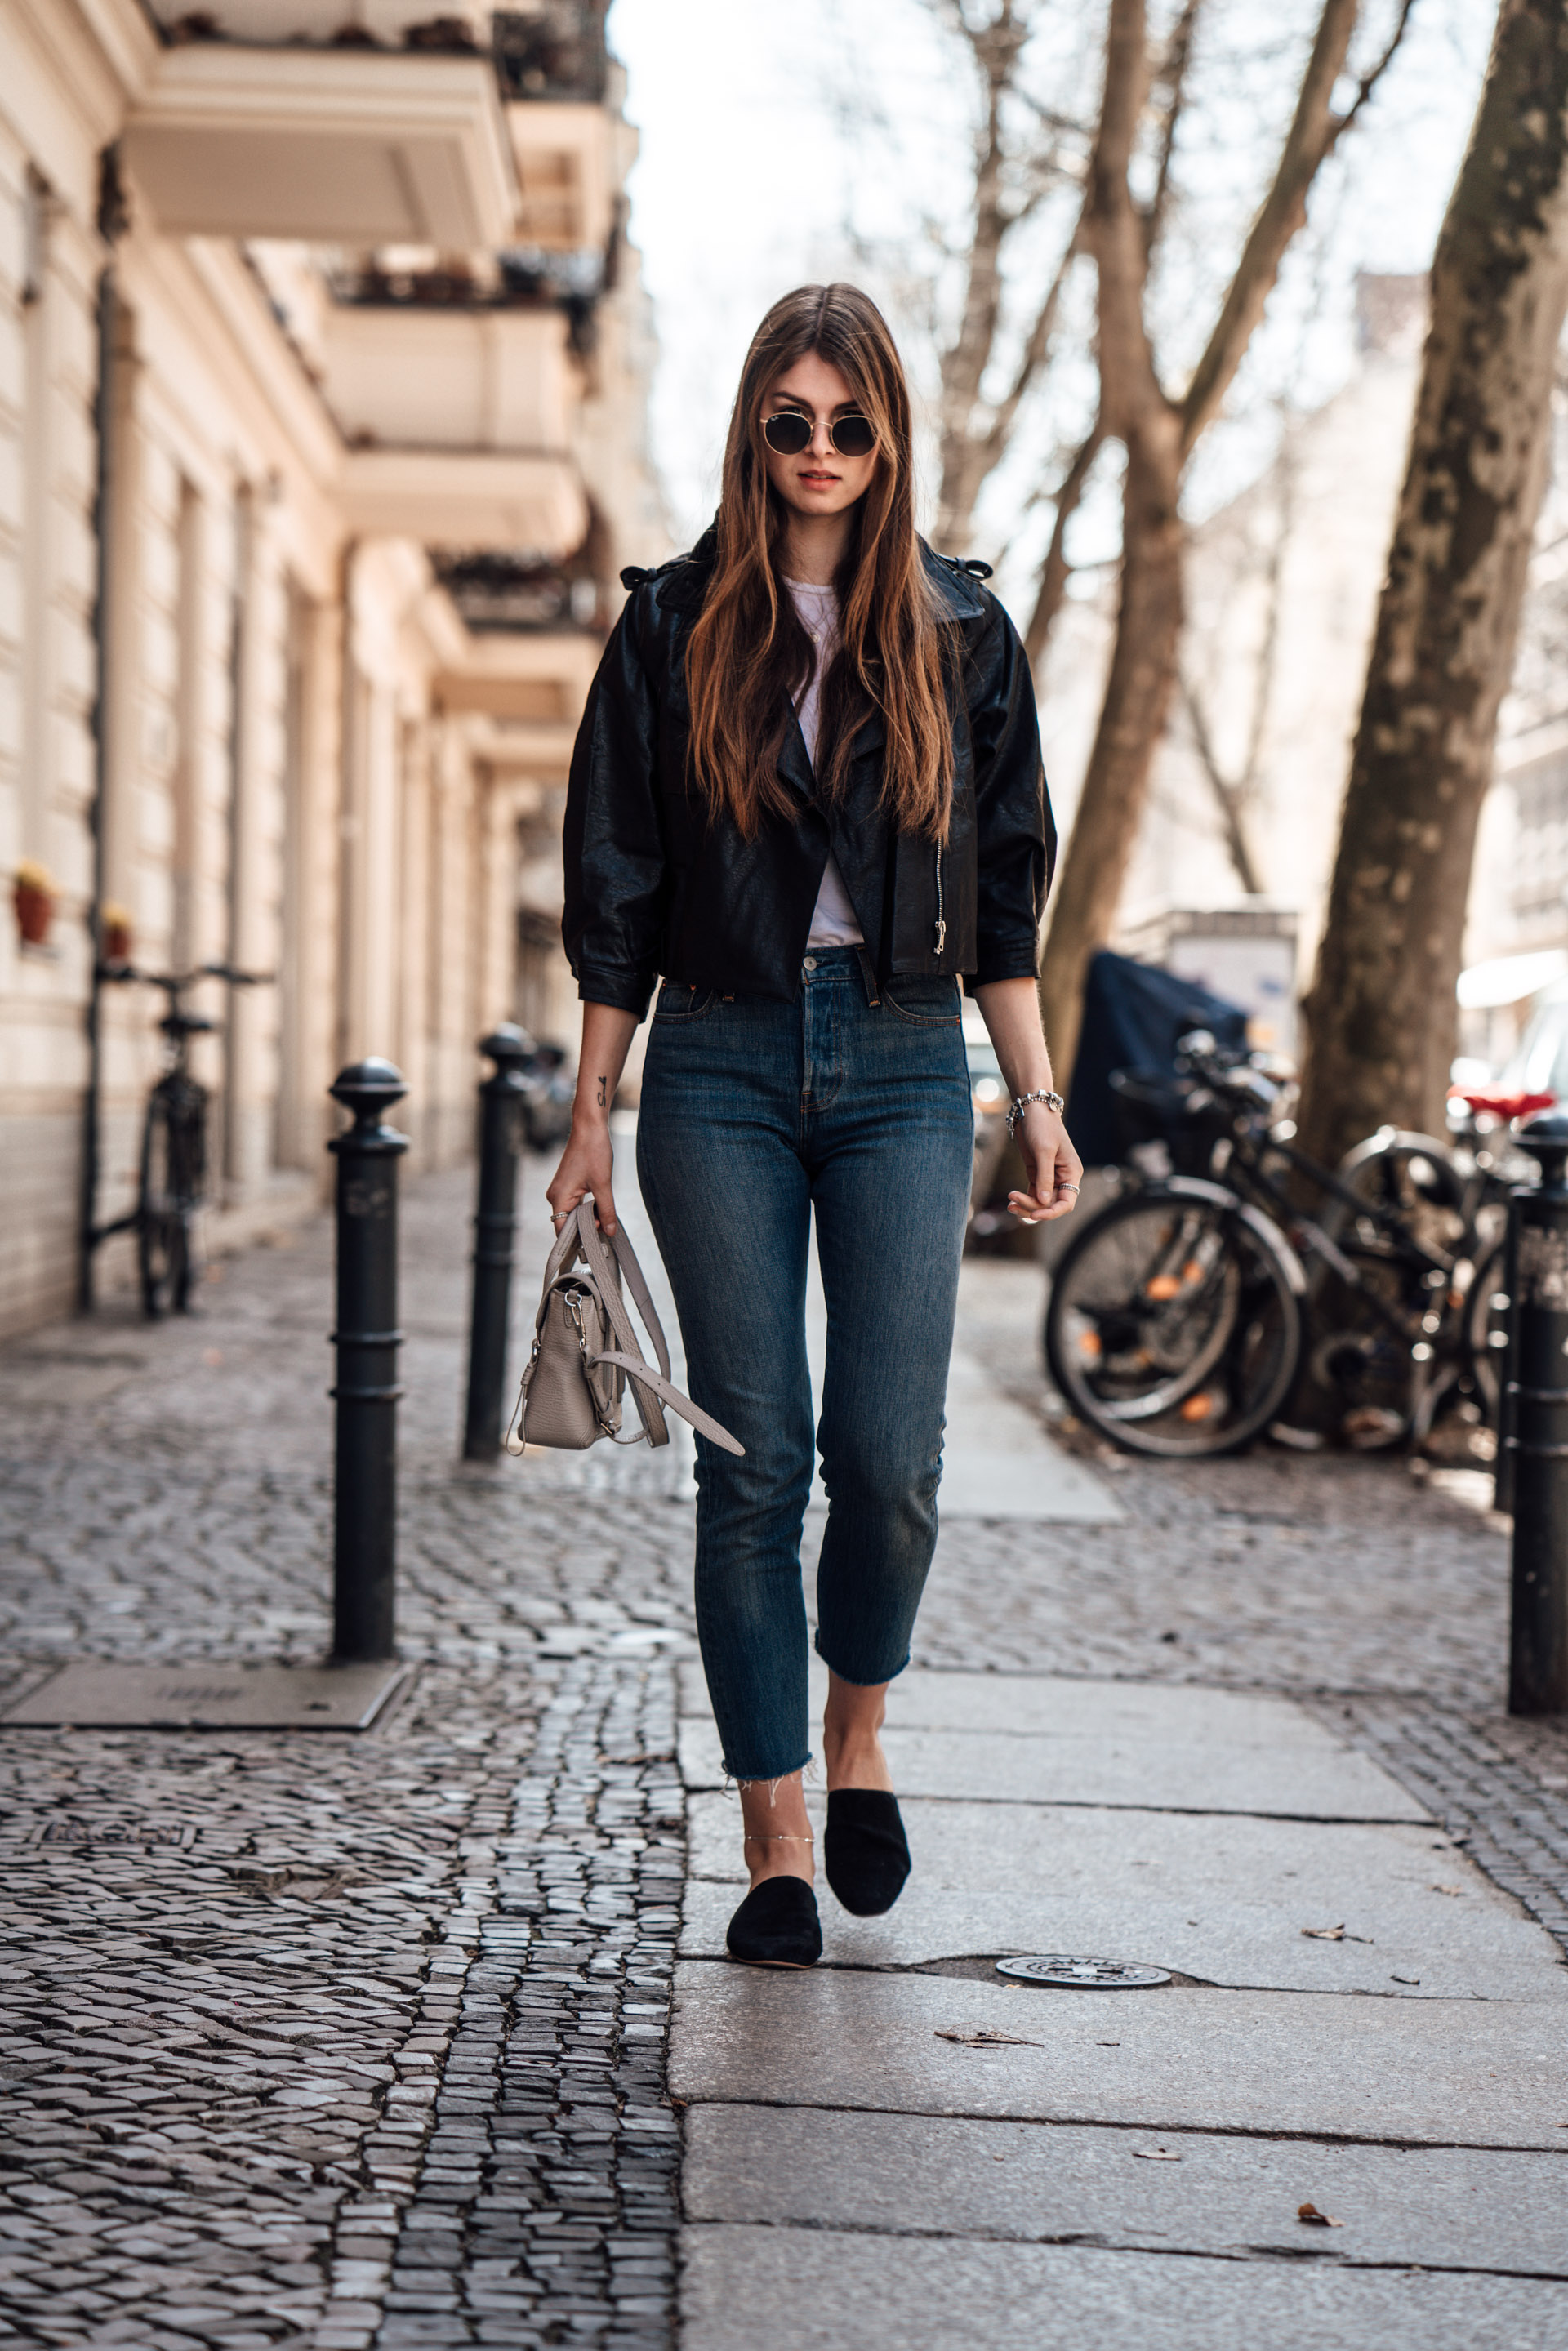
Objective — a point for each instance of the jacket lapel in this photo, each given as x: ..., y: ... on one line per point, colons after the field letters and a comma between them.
x: 793, y: 764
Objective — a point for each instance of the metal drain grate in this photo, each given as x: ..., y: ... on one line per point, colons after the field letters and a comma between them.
x: 1083, y: 1975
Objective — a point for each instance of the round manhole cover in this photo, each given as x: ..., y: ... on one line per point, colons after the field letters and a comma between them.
x: 1083, y: 1975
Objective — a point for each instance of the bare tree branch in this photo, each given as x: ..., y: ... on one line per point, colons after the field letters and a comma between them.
x: 1112, y: 228
x: 1370, y: 80
x: 1230, y: 799
x: 1056, y: 571
x: 1314, y: 131
x: 995, y: 47
x: 1035, y: 353
x: 1173, y: 80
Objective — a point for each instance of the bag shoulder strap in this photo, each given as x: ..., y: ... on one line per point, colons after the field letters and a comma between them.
x: 649, y: 1389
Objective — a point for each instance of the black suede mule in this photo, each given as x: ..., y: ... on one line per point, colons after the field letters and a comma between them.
x: 777, y: 1925
x: 865, y: 1852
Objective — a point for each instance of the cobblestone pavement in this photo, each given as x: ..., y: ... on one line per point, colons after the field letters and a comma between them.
x: 341, y: 2040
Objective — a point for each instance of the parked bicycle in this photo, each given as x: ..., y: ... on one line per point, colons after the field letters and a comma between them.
x: 1182, y: 1315
x: 171, y: 1170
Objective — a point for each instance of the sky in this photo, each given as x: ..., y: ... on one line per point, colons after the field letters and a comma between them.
x: 779, y: 145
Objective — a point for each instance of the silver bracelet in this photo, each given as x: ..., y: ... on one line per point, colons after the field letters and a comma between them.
x: 1020, y: 1103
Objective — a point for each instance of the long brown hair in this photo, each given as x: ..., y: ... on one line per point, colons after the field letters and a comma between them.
x: 750, y: 655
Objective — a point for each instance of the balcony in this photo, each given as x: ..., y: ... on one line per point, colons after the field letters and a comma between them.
x: 344, y: 145
x: 563, y: 153
x: 450, y: 378
x: 473, y: 499
x: 540, y: 683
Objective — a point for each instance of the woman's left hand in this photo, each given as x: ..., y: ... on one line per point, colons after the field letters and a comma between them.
x: 1052, y: 1166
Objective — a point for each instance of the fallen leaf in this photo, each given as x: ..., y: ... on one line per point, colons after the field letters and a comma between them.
x: 1446, y: 1889
x: 1325, y: 1933
x: 1316, y: 2219
x: 1404, y: 1980
x: 977, y: 2036
x: 1154, y: 2155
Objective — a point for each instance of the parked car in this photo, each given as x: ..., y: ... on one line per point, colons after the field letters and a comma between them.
x: 988, y: 1218
x: 549, y: 1087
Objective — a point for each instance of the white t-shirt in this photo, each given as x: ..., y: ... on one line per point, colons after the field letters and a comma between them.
x: 833, y: 922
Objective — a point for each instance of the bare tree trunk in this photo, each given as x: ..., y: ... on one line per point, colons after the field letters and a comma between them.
x: 1132, y: 718
x: 1381, y: 1015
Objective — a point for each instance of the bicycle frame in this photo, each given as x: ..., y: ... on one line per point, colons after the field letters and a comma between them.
x: 176, y: 1094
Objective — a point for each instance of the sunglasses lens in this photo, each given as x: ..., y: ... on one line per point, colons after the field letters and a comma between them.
x: 854, y: 436
x: 787, y: 435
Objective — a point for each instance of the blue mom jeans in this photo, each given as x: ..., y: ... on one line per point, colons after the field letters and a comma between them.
x: 754, y: 1115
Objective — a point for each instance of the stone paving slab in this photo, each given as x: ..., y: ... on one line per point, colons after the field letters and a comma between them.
x: 1495, y: 1955
x: 816, y: 2290
x: 1472, y: 2073
x: 911, y: 2175
x: 1068, y: 1706
x: 1225, y: 1898
x: 1308, y: 1779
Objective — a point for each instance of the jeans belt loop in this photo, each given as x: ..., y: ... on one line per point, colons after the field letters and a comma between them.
x: 868, y: 973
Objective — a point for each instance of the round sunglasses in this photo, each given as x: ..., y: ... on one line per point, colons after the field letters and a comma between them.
x: 788, y: 433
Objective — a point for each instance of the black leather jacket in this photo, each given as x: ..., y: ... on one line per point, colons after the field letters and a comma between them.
x: 652, y: 886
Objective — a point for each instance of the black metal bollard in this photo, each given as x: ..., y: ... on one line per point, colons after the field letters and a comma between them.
x: 495, y: 1222
x: 364, y: 1557
x: 1535, y: 1424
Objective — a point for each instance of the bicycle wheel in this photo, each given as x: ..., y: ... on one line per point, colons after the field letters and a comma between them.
x: 1172, y: 1327
x: 162, y: 1253
x: 1409, y: 1176
x: 1486, y: 1330
x: 1361, y: 1364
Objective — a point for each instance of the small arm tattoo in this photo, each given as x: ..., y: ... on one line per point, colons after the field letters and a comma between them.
x: 602, y: 1084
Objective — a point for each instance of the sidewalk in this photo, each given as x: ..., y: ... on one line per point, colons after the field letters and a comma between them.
x: 1357, y: 2020
x: 339, y: 2040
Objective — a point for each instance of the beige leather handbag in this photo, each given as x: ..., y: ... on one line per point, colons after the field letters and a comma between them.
x: 585, y: 1350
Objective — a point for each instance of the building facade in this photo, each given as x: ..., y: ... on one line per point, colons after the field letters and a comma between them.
x: 323, y: 365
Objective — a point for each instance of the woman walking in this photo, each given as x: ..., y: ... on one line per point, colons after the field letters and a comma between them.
x: 806, y: 792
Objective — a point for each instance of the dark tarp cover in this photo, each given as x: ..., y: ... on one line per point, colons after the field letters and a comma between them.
x: 1133, y: 1014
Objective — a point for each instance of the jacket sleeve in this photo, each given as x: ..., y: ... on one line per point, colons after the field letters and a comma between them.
x: 1016, y: 838
x: 613, y: 927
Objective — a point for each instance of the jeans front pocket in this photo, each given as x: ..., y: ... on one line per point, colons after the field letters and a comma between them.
x: 926, y: 1002
x: 679, y: 1002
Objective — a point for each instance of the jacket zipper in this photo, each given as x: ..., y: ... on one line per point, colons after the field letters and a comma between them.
x: 941, y: 926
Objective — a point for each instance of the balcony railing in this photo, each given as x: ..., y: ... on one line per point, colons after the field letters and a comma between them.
x: 555, y: 49
x: 509, y: 591
x: 328, y: 24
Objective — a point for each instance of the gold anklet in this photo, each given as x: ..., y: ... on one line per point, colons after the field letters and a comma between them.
x: 779, y: 1836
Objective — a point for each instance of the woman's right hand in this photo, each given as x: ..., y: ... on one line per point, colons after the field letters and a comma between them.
x: 585, y: 1167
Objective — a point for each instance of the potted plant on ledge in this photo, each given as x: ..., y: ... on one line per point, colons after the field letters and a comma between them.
x: 34, y: 893
x: 114, y: 933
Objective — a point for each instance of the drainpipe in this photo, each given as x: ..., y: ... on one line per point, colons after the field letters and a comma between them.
x: 111, y: 223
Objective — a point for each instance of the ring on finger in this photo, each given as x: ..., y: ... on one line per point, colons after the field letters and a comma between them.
x: 1067, y: 1188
